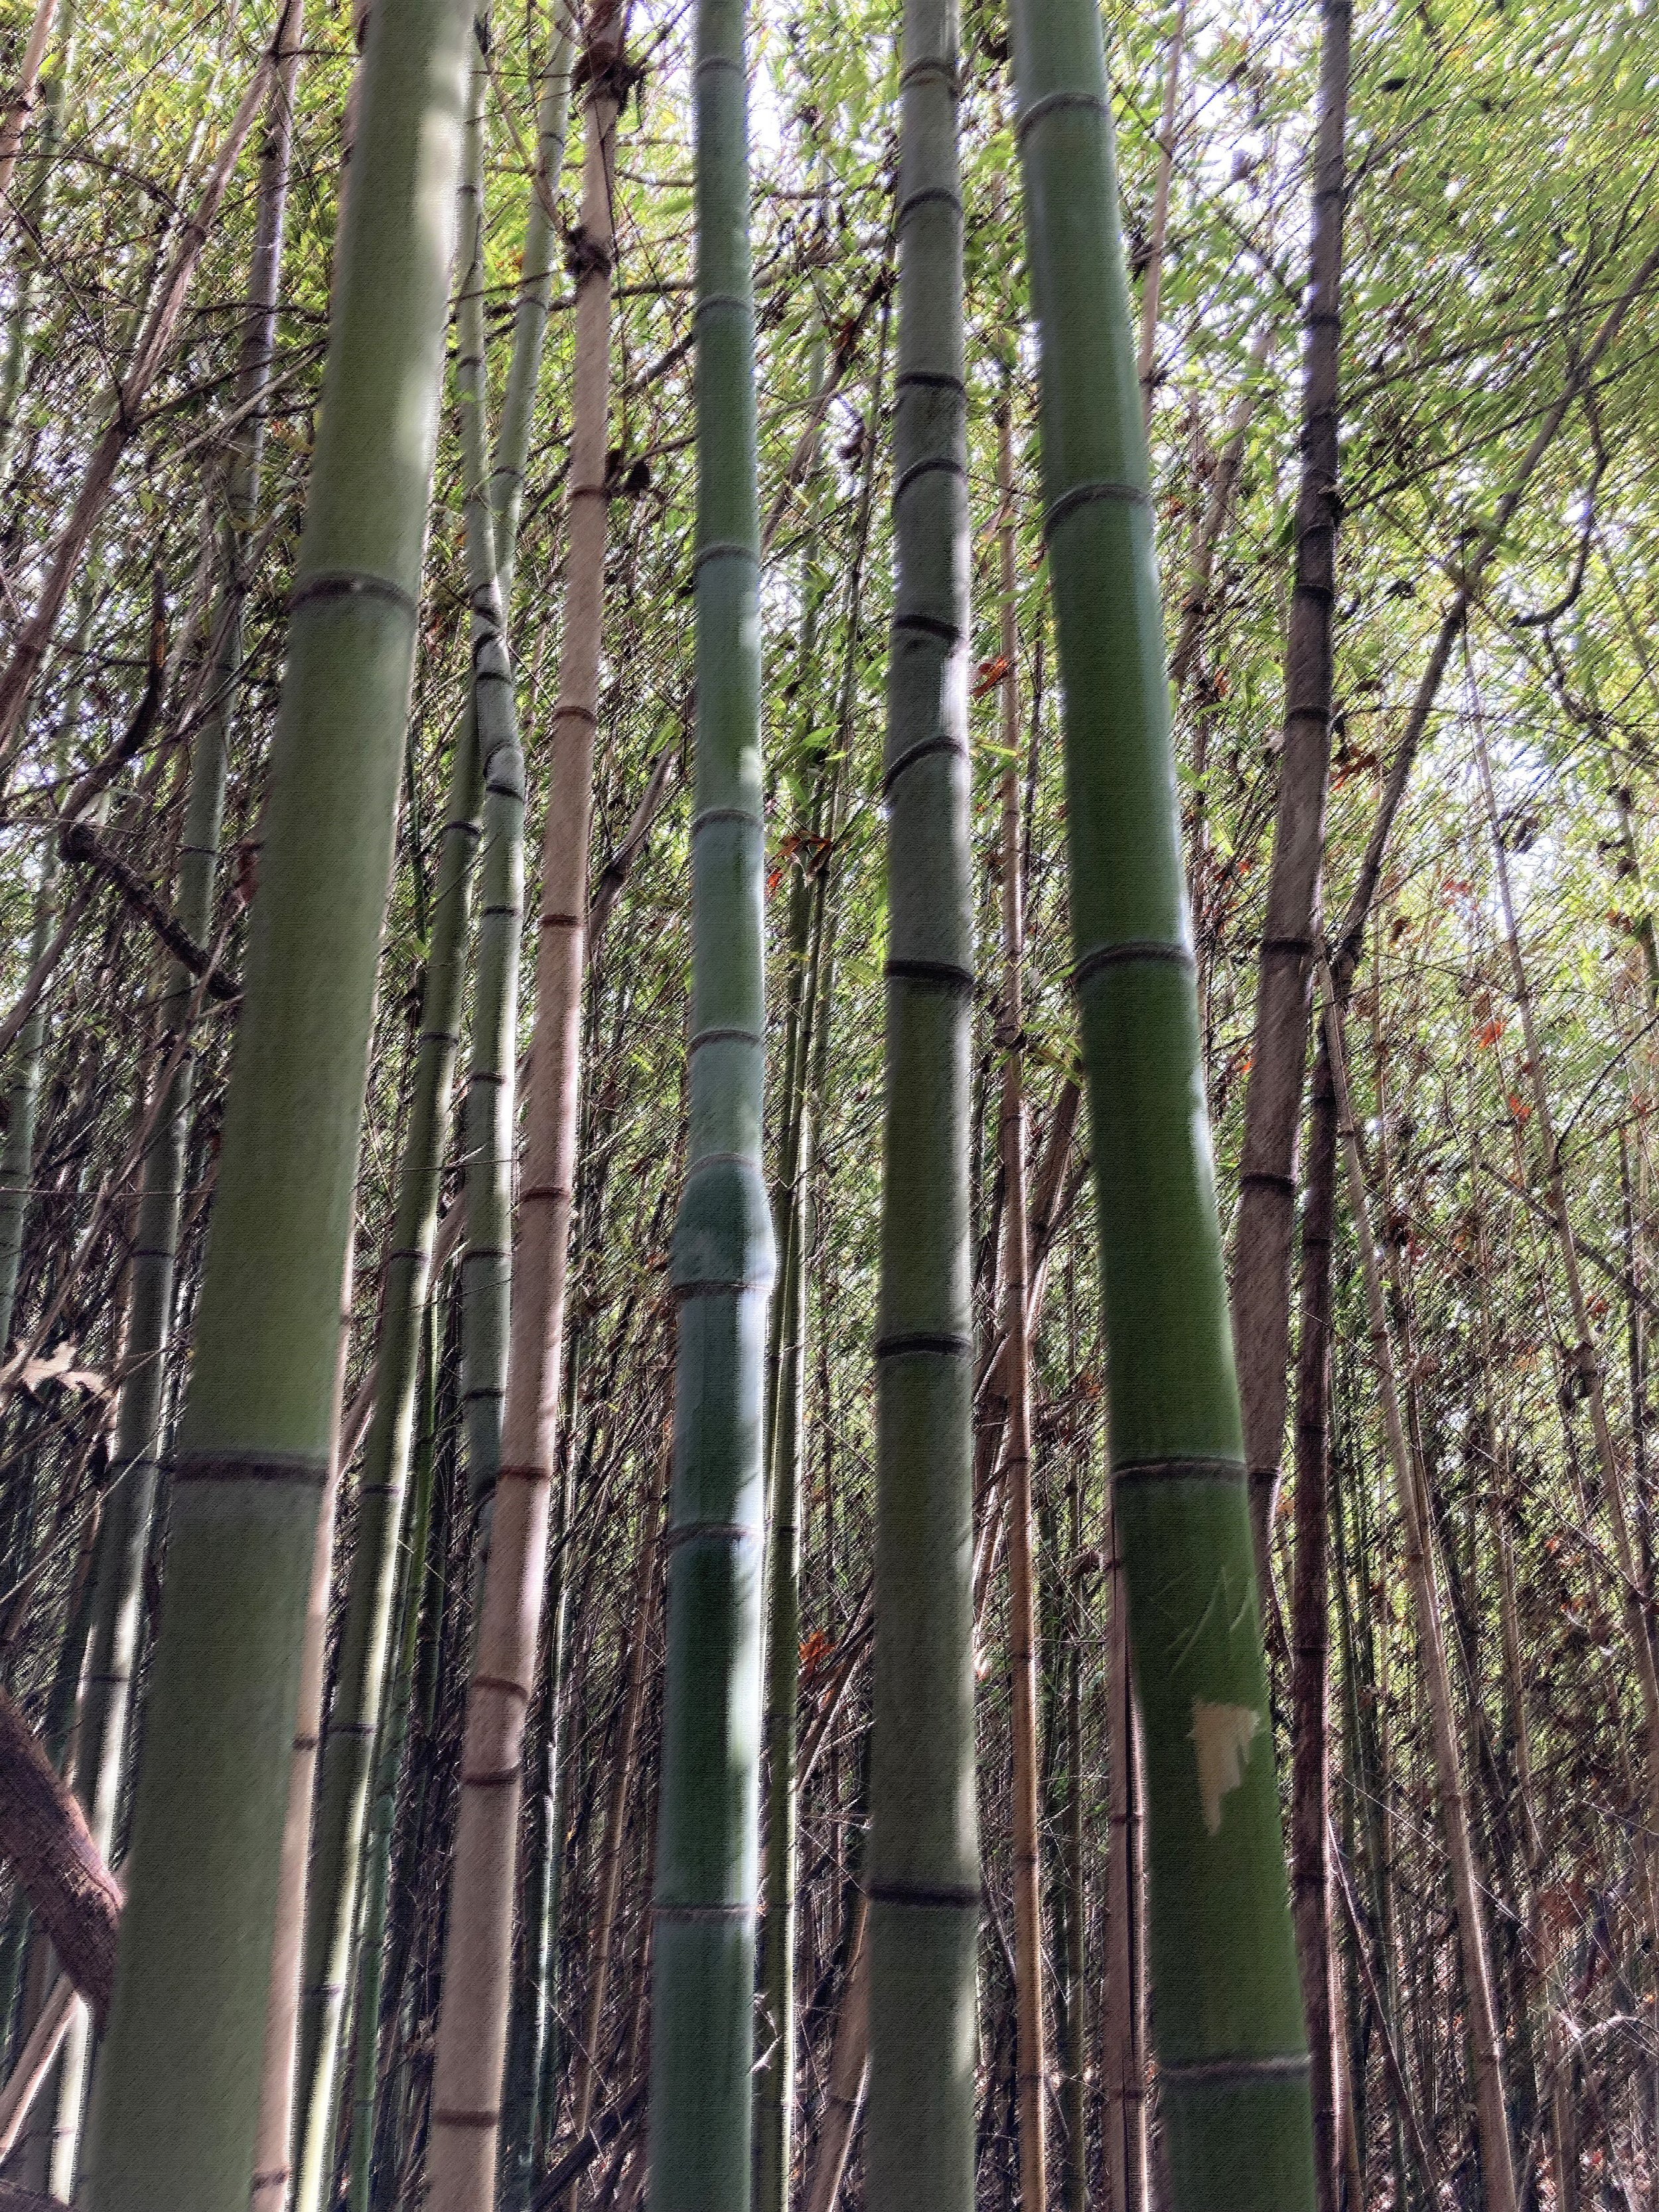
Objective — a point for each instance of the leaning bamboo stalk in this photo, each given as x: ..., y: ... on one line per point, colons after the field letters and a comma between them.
x: 923, y: 1879
x: 1497, y: 2163
x: 473, y: 2013
x: 34, y: 2061
x: 255, y: 1445
x: 1231, y: 2044
x: 1030, y: 2065
x: 722, y: 1258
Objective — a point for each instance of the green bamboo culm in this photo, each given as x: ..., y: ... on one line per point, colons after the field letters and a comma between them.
x: 488, y: 1113
x: 923, y: 1865
x: 1232, y: 2052
x: 703, y: 1935
x: 349, y: 1756
x: 253, y: 1450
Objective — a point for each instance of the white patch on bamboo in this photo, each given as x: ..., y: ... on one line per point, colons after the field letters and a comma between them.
x: 1223, y: 1736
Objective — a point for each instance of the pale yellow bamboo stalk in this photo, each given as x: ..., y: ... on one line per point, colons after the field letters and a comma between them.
x: 472, y: 2017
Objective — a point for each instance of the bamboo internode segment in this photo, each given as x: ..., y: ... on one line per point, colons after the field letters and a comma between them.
x: 1231, y: 2041
x: 722, y: 1260
x: 190, y: 1989
x: 922, y: 1881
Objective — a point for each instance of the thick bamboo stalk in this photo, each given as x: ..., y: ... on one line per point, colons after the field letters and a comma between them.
x: 923, y: 1858
x: 348, y: 1759
x: 1272, y: 1100
x: 255, y: 1445
x: 1232, y: 2052
x: 1030, y: 2065
x: 123, y: 1533
x: 473, y: 2015
x: 1496, y: 2158
x: 722, y: 1260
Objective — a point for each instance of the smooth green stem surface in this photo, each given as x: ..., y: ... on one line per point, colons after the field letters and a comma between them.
x: 254, y: 1447
x: 1233, y: 2053
x: 923, y: 1868
x: 722, y: 1263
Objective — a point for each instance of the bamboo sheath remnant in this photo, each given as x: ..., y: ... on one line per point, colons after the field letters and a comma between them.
x: 1232, y: 2052
x: 722, y: 1261
x: 923, y: 1855
x: 473, y: 2015
x: 255, y: 1446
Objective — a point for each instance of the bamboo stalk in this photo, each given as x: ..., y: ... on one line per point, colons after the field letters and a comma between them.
x: 1030, y: 2064
x: 255, y: 1444
x: 474, y: 2011
x: 1231, y: 2047
x: 722, y: 1261
x: 1273, y: 1103
x: 923, y: 1858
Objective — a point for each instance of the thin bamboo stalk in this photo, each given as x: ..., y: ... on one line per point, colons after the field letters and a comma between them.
x: 1031, y: 2063
x: 474, y: 2011
x: 1273, y: 1103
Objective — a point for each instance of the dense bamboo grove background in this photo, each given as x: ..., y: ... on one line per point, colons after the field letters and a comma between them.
x: 1395, y: 277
